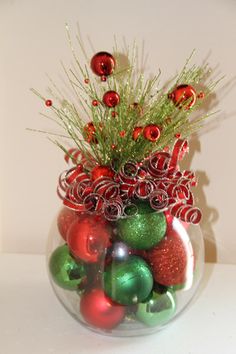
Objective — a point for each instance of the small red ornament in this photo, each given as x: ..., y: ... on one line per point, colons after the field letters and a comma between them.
x: 114, y: 114
x: 95, y: 103
x: 88, y: 237
x: 102, y: 171
x: 171, y: 258
x: 65, y: 219
x: 100, y: 311
x: 48, y: 103
x: 182, y: 95
x: 86, y: 81
x: 90, y: 133
x: 111, y: 99
x: 201, y: 95
x: 103, y: 78
x: 122, y: 133
x: 177, y: 135
x: 113, y: 146
x: 102, y: 64
x: 137, y: 132
x: 152, y: 132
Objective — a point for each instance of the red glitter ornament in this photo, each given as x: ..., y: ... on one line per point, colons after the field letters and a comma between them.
x: 48, y: 103
x: 100, y: 311
x: 171, y: 258
x: 65, y: 218
x: 152, y: 132
x: 183, y: 95
x: 102, y: 64
x: 102, y: 171
x: 111, y: 99
x: 88, y: 237
x: 95, y: 103
x: 137, y: 132
x: 90, y: 133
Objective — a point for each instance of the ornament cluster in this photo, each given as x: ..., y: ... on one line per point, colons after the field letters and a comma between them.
x: 125, y: 249
x: 128, y: 270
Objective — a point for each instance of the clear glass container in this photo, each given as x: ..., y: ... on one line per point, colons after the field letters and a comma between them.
x: 128, y: 277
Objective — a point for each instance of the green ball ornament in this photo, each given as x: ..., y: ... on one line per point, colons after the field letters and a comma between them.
x: 143, y: 230
x: 158, y: 309
x: 65, y: 271
x: 128, y: 282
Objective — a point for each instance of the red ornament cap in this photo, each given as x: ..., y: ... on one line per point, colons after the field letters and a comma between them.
x: 137, y: 132
x: 102, y: 64
x: 111, y: 99
x: 182, y: 95
x: 152, y: 132
x: 102, y: 171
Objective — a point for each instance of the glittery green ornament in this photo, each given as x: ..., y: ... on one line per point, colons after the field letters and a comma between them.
x: 143, y: 230
x: 65, y: 271
x: 128, y: 282
x: 158, y: 309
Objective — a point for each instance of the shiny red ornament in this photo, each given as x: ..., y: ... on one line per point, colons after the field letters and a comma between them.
x: 183, y: 95
x: 111, y: 99
x: 86, y: 81
x: 48, y: 103
x: 95, y: 103
x: 102, y: 64
x: 137, y: 132
x: 90, y: 133
x: 88, y: 237
x: 113, y: 146
x: 100, y: 311
x: 178, y: 135
x: 102, y: 171
x: 65, y: 219
x: 152, y: 132
x: 169, y: 259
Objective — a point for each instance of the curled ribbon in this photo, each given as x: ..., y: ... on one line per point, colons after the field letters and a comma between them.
x: 157, y: 179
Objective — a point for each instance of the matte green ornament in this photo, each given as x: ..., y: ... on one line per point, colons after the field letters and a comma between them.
x: 65, y: 271
x: 128, y: 282
x: 158, y: 309
x: 145, y: 229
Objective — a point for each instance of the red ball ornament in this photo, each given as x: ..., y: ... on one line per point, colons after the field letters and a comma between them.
x: 95, y: 103
x: 137, y: 132
x: 48, y: 103
x: 171, y: 259
x: 90, y: 133
x: 65, y: 219
x: 152, y: 132
x: 100, y: 311
x: 103, y: 78
x: 88, y: 237
x: 111, y: 99
x: 183, y: 95
x: 102, y: 171
x: 86, y: 81
x: 102, y: 64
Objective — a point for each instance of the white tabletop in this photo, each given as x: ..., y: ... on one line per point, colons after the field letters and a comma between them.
x: 32, y: 321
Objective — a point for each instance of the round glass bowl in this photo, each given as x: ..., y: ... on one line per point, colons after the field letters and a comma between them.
x: 125, y: 278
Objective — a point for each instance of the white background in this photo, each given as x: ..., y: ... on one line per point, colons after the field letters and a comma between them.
x: 33, y: 41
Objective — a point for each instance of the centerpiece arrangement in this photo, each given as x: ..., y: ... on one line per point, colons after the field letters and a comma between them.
x: 127, y: 254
